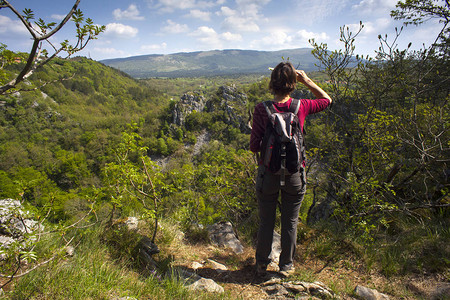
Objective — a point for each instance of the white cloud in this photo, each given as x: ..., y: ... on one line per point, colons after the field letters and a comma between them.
x: 118, y: 30
x: 131, y: 13
x: 171, y: 5
x: 168, y: 6
x: 58, y: 17
x: 251, y: 8
x: 427, y: 33
x: 237, y: 21
x: 199, y: 14
x: 231, y: 37
x: 13, y: 28
x: 246, y: 17
x: 281, y: 39
x: 314, y: 11
x: 251, y: 4
x: 174, y: 28
x: 275, y: 39
x: 204, y: 30
x: 109, y: 52
x: 226, y: 12
x: 374, y: 7
x: 208, y: 37
x: 304, y: 36
x: 153, y: 47
x: 371, y: 28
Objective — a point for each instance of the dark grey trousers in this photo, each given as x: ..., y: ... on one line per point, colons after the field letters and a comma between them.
x: 267, y: 191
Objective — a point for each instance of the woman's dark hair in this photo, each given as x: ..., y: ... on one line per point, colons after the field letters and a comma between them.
x: 283, y: 79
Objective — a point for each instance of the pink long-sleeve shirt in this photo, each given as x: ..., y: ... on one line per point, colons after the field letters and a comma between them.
x: 260, y: 117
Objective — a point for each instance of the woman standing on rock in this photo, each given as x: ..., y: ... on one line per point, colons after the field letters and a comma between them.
x: 291, y: 184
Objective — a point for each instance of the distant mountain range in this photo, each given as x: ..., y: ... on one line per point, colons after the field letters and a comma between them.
x: 211, y: 63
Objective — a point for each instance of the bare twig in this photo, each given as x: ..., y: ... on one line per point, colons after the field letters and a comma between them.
x: 11, y: 277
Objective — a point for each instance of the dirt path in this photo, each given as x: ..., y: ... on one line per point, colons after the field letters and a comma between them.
x: 341, y: 276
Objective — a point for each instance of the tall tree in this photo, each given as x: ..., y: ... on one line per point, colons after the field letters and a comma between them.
x: 417, y: 12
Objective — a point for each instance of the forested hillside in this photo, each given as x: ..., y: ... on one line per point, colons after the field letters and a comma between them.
x: 61, y: 133
x: 58, y: 139
x: 84, y: 147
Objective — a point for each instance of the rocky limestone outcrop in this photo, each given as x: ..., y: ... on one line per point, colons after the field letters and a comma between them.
x: 187, y: 104
x: 233, y: 103
x: 222, y: 235
x: 228, y: 99
x: 13, y: 222
x: 16, y: 226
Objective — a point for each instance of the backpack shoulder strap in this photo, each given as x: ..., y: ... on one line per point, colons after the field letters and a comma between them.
x: 295, y: 106
x: 270, y: 109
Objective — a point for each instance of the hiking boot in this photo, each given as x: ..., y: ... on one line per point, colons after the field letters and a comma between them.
x: 261, y: 270
x: 286, y: 271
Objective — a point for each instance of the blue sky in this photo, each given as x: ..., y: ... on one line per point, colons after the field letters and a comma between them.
x: 169, y: 26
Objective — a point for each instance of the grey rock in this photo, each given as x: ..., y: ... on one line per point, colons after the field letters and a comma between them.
x: 276, y: 249
x: 218, y: 267
x: 146, y: 248
x: 228, y: 99
x: 196, y: 282
x: 369, y: 294
x: 290, y: 289
x: 5, y: 241
x: 70, y: 251
x: 222, y: 235
x: 196, y: 265
x: 202, y: 139
x: 205, y: 284
x: 15, y: 226
x: 295, y: 288
x: 231, y: 101
x: 7, y: 204
x: 271, y: 281
x: 276, y: 290
x: 187, y: 104
x: 14, y: 222
x: 132, y: 223
x: 319, y: 289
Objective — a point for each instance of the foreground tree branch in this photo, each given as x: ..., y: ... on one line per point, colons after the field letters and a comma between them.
x: 41, y: 32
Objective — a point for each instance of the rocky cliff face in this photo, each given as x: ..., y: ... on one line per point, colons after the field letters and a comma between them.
x: 234, y: 104
x: 187, y: 104
x: 227, y: 99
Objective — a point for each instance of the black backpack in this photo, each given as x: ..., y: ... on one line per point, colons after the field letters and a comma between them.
x: 282, y: 148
